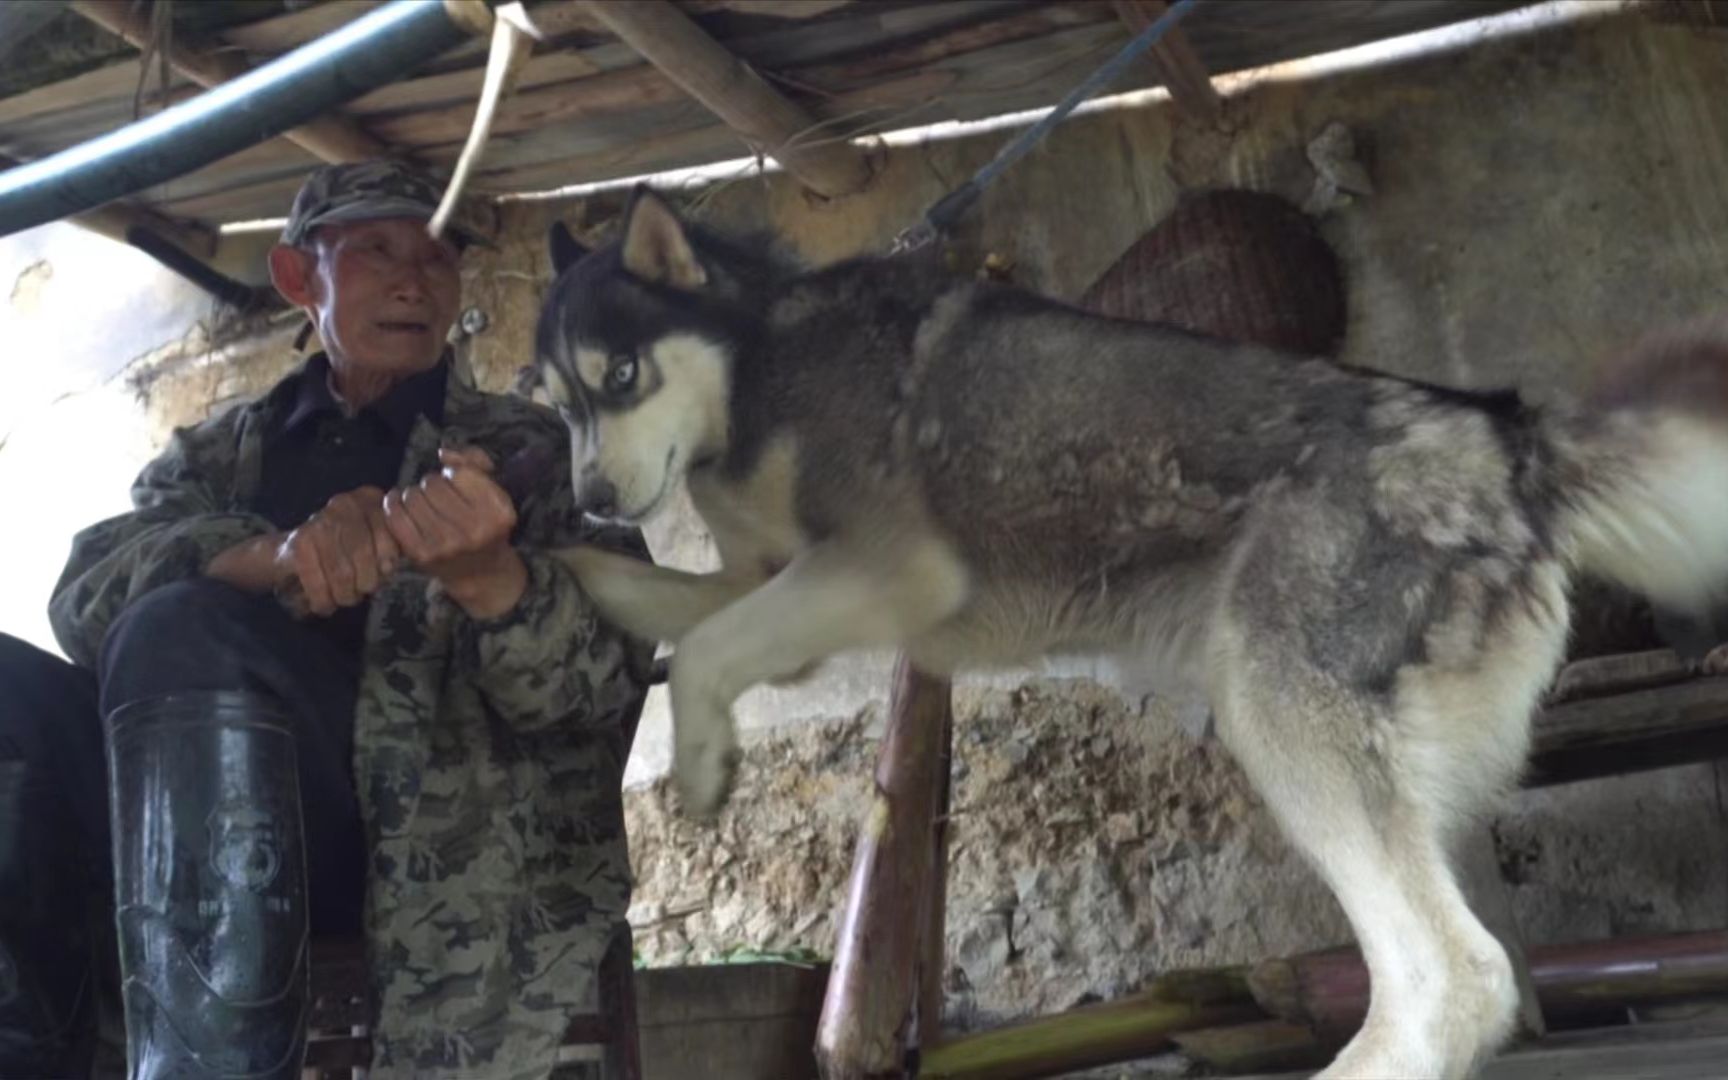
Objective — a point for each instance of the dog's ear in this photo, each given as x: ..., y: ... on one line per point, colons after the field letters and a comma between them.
x: 656, y: 247
x: 566, y: 249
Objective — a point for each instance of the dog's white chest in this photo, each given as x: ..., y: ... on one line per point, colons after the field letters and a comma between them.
x: 753, y: 520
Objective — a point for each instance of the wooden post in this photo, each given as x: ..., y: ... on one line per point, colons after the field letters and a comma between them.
x: 873, y: 986
x: 1174, y: 59
x: 934, y: 954
x: 733, y: 91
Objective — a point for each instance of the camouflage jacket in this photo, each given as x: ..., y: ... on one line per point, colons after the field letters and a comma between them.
x: 488, y: 754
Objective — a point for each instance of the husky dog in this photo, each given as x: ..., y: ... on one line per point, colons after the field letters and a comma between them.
x: 1368, y: 577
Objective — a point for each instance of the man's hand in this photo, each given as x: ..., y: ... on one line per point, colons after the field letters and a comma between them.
x: 455, y: 527
x: 340, y: 555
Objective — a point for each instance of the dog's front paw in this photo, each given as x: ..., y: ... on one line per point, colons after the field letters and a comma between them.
x: 704, y: 769
x: 704, y: 747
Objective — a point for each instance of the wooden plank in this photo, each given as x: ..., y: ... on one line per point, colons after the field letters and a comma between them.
x: 898, y: 58
x: 282, y: 33
x: 734, y: 92
x: 540, y: 101
x: 1597, y: 676
x: 332, y: 137
x: 971, y: 84
x: 1172, y: 58
x: 50, y: 133
x: 112, y: 84
x: 460, y: 88
x: 561, y: 103
x: 1245, y: 34
x: 963, y: 88
x: 558, y: 17
x: 1641, y: 729
x: 608, y: 147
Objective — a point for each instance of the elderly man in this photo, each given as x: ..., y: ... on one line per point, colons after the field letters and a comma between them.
x: 427, y: 748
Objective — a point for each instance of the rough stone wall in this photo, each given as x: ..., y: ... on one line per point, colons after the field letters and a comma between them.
x: 1088, y: 838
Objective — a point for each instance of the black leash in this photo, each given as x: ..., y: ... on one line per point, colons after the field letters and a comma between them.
x: 950, y: 207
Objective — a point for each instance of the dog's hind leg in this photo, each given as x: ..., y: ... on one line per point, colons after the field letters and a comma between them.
x: 1373, y: 786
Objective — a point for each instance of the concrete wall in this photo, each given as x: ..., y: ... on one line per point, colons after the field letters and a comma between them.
x: 1538, y: 201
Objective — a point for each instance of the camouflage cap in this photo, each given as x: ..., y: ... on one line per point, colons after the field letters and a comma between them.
x: 368, y: 190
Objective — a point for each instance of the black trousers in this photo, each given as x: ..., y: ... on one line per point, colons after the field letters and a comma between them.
x: 198, y: 634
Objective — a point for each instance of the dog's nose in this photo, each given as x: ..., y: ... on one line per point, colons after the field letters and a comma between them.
x: 600, y: 498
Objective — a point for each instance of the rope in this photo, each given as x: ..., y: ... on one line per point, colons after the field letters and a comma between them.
x: 950, y: 207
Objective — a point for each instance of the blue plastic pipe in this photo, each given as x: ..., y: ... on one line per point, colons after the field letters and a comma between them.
x: 377, y: 48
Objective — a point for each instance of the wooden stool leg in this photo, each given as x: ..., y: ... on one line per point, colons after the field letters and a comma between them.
x: 873, y: 986
x: 618, y: 999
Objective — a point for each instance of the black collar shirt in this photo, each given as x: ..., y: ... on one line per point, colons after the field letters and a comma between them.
x: 319, y: 450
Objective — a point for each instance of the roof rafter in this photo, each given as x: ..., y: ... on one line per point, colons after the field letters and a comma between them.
x: 1173, y: 57
x: 733, y: 90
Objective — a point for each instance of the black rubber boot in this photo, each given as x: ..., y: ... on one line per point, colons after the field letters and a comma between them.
x: 46, y: 1016
x: 210, y: 886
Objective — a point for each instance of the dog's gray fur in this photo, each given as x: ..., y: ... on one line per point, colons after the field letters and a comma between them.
x: 1367, y: 576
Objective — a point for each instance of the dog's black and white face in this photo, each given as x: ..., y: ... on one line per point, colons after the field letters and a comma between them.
x: 627, y: 357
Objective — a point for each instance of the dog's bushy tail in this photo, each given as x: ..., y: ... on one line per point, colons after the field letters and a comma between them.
x: 1647, y: 490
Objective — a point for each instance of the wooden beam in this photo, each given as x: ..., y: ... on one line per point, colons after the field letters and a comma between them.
x: 559, y: 17
x: 733, y: 91
x: 114, y: 219
x: 1173, y: 57
x: 1627, y: 732
x: 331, y: 137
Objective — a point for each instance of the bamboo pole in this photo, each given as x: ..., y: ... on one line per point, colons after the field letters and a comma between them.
x: 733, y: 91
x: 873, y: 987
x: 1296, y: 1011
x: 1328, y: 990
x: 1098, y: 1034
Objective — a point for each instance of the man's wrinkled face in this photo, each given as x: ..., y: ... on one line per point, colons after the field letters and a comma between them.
x: 384, y: 293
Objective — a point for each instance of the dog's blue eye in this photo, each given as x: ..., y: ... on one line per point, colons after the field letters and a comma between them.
x: 621, y: 376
